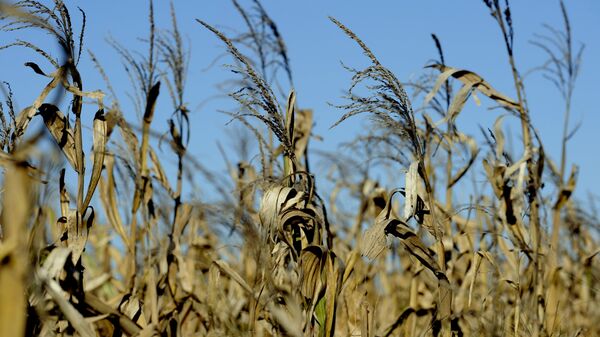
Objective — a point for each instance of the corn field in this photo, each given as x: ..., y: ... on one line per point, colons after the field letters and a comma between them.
x: 100, y: 235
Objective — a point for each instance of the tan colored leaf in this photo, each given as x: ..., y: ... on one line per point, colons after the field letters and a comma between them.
x: 57, y: 124
x: 225, y: 268
x: 109, y: 199
x: 499, y: 136
x: 411, y: 190
x: 124, y: 322
x: 458, y: 102
x: 374, y: 240
x: 471, y: 79
x: 27, y: 114
x: 414, y: 246
x: 77, y: 231
x: 568, y: 189
x: 311, y: 265
x: 84, y: 328
x: 333, y: 274
x: 181, y: 220
x: 271, y: 204
x: 159, y: 173
x: 100, y: 139
x: 55, y: 262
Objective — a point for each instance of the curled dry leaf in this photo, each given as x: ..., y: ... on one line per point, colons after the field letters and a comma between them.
x: 271, y: 204
x: 311, y: 265
x: 374, y: 240
x: 415, y: 246
x: 470, y: 80
x: 57, y: 124
x: 321, y: 280
x: 100, y: 139
x: 25, y: 116
x: 78, y: 226
x: 285, y: 210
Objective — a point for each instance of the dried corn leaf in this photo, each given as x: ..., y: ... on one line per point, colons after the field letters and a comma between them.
x: 84, y: 328
x: 552, y: 322
x: 109, y: 200
x: 100, y: 139
x: 131, y: 307
x: 78, y: 226
x: 349, y: 265
x: 374, y: 240
x: 272, y: 201
x: 25, y: 116
x: 97, y: 94
x: 411, y: 190
x: 159, y: 173
x: 568, y: 189
x: 457, y: 104
x: 311, y: 266
x: 333, y: 270
x: 182, y: 219
x: 470, y: 78
x: 414, y: 245
x: 55, y: 262
x: 499, y: 137
x: 124, y: 322
x: 225, y: 268
x: 57, y: 124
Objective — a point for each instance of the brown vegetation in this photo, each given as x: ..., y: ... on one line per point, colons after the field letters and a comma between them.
x: 128, y: 254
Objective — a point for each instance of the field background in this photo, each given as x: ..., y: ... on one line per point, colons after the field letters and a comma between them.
x: 273, y: 169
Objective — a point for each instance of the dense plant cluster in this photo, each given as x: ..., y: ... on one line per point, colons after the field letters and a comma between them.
x: 104, y: 241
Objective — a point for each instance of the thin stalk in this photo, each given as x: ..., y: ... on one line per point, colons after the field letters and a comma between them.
x: 76, y: 109
x: 533, y: 185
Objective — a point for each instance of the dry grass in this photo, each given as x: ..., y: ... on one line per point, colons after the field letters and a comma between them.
x: 128, y: 254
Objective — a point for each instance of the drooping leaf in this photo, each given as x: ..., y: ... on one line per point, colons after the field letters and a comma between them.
x: 311, y: 264
x: 57, y: 124
x: 100, y: 139
x: 470, y: 79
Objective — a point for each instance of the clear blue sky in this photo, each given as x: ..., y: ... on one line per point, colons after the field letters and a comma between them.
x: 398, y: 32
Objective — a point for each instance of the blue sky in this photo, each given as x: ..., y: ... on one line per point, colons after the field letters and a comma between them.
x: 398, y: 32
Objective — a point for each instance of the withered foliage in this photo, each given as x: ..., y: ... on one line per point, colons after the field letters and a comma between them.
x: 120, y: 248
